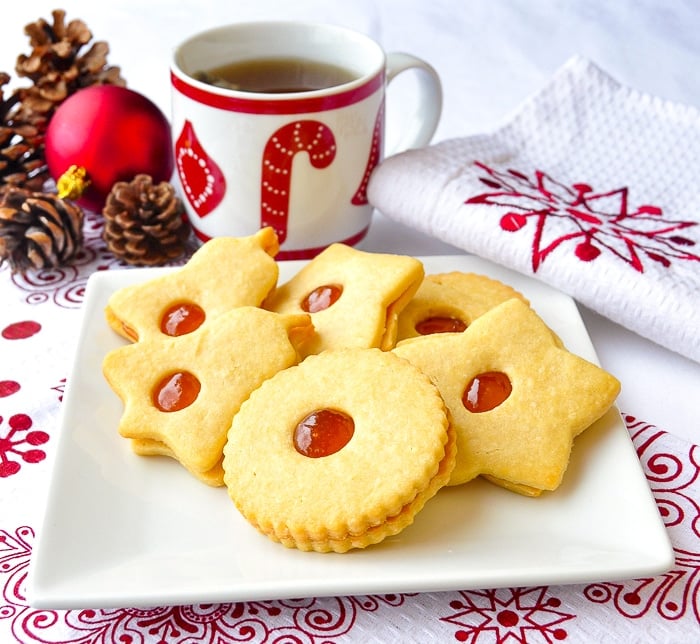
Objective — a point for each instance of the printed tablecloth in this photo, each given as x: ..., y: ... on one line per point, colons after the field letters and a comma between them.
x: 490, y: 54
x: 39, y: 322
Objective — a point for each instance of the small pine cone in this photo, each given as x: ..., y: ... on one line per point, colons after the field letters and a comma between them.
x: 58, y: 66
x: 21, y: 148
x: 38, y: 230
x: 145, y: 224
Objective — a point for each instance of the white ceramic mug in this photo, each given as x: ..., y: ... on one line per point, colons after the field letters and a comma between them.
x: 297, y: 161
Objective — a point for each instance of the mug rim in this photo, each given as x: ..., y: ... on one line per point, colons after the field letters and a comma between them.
x: 185, y: 82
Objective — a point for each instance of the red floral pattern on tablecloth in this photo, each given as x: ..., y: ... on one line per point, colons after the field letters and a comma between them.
x: 593, y: 221
x: 64, y: 286
x: 498, y: 616
x: 674, y: 479
x: 20, y: 442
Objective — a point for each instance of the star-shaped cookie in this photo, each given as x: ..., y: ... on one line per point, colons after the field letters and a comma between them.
x: 180, y: 393
x: 224, y: 273
x: 354, y: 297
x: 516, y: 397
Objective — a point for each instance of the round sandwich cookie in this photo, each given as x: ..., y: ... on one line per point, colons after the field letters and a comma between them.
x: 340, y: 451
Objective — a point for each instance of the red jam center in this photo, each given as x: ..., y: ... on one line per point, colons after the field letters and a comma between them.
x: 323, y: 432
x: 321, y: 298
x: 486, y: 391
x: 181, y: 319
x: 176, y: 391
x: 440, y: 324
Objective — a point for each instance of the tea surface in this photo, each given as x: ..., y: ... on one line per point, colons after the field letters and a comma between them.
x: 276, y: 75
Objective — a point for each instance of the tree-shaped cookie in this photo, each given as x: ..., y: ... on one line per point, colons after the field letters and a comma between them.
x: 182, y: 392
x: 516, y: 397
x: 224, y: 273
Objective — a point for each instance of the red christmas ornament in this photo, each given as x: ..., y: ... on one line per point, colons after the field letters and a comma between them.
x: 104, y: 134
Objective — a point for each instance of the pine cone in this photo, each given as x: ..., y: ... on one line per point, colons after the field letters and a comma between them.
x: 58, y: 67
x: 21, y: 148
x: 38, y: 230
x: 145, y: 223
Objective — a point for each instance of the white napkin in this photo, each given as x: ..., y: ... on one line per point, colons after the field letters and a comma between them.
x: 591, y: 187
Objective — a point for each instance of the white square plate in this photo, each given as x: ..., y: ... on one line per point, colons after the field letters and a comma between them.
x: 122, y: 530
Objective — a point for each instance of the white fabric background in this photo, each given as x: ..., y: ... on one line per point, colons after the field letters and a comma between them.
x: 491, y: 54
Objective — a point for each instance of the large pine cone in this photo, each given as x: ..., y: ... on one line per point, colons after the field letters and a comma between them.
x: 21, y: 148
x: 145, y: 224
x: 38, y: 230
x: 58, y: 66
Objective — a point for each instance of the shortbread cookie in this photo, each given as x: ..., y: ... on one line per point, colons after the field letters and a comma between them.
x: 450, y: 302
x: 224, y: 273
x: 340, y: 451
x: 183, y: 391
x: 354, y: 297
x: 516, y: 398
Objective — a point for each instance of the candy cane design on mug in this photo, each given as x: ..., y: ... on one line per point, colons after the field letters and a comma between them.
x: 312, y: 137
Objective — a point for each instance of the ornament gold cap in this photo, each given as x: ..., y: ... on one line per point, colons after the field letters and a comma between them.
x: 72, y: 183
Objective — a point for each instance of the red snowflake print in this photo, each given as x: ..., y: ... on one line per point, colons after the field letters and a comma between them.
x: 19, y: 444
x: 576, y: 214
x: 518, y: 615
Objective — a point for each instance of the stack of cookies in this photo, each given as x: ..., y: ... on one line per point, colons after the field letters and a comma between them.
x: 334, y: 406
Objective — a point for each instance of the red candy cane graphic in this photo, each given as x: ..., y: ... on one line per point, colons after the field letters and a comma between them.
x: 312, y: 137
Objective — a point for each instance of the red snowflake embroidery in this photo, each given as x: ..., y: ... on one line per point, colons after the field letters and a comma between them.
x: 19, y: 444
x: 594, y: 221
x: 508, y: 615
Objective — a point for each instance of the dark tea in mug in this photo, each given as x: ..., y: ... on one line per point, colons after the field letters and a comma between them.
x: 276, y: 75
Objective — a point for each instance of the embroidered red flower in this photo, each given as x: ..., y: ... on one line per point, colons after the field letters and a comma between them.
x: 594, y: 221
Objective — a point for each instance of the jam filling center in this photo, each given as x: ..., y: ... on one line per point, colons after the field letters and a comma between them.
x: 323, y: 432
x: 486, y: 391
x: 182, y: 318
x: 321, y: 298
x: 440, y: 324
x: 176, y: 391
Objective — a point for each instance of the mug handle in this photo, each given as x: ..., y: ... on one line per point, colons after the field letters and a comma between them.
x: 422, y: 124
